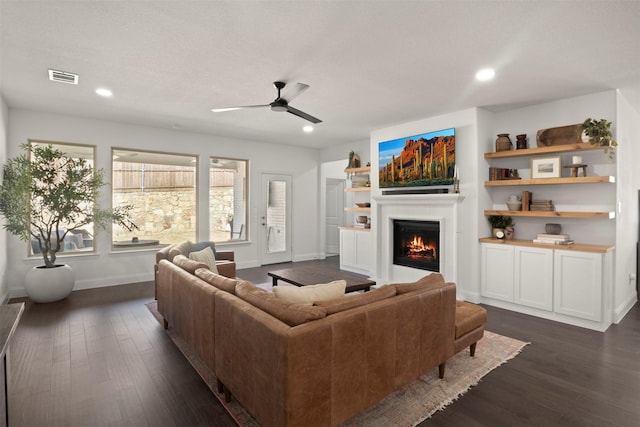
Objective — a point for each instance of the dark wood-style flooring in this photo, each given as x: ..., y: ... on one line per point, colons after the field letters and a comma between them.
x: 99, y: 358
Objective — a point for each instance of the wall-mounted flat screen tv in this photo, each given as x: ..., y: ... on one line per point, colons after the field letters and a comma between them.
x: 421, y: 160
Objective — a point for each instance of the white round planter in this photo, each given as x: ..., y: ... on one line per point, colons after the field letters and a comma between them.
x: 49, y: 284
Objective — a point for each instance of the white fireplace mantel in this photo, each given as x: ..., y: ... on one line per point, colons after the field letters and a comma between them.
x: 421, y: 207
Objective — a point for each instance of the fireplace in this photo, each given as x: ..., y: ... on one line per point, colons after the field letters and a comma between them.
x: 417, y: 244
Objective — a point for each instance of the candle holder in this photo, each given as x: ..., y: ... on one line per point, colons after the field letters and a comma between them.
x: 456, y: 185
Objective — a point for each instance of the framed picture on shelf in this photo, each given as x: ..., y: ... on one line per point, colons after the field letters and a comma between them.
x: 546, y: 167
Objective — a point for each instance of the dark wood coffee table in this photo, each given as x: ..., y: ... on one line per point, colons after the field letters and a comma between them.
x: 304, y: 276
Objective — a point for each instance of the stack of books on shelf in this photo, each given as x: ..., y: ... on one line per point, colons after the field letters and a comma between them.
x: 553, y: 239
x: 498, y: 174
x: 541, y: 205
x: 359, y: 225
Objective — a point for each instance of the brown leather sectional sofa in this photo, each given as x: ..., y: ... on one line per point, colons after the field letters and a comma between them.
x: 308, y: 365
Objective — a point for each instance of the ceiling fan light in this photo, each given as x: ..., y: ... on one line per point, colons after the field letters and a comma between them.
x: 279, y: 108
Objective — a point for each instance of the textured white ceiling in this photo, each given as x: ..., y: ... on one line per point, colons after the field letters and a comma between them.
x: 370, y: 64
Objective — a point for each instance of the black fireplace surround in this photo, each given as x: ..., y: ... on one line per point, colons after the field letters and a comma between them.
x: 416, y: 244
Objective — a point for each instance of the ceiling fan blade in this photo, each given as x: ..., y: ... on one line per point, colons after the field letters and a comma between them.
x: 221, y: 110
x: 294, y: 90
x: 302, y: 114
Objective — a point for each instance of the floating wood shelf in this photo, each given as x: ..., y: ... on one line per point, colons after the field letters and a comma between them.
x: 357, y: 209
x: 358, y: 189
x: 580, y: 247
x: 553, y: 214
x: 355, y: 228
x: 552, y: 181
x: 565, y: 148
x: 358, y: 170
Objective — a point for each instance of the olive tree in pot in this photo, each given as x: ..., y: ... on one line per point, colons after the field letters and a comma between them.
x: 44, y: 195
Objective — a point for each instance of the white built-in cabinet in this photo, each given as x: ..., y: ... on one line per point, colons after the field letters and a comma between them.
x: 564, y: 285
x: 355, y: 251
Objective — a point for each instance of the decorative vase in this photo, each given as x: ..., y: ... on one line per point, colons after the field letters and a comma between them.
x: 551, y: 228
x: 521, y: 141
x: 503, y: 142
x: 49, y: 284
x: 509, y: 233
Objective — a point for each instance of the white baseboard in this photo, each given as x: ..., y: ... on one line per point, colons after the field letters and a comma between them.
x: 623, y: 309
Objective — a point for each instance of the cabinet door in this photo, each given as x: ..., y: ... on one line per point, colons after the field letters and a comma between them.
x: 534, y: 277
x: 497, y: 272
x: 363, y: 249
x: 347, y: 248
x: 578, y: 284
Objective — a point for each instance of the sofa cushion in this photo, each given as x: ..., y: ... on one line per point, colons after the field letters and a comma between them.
x: 188, y: 264
x: 351, y: 301
x: 206, y: 256
x: 289, y: 313
x: 469, y: 317
x: 221, y: 282
x: 312, y: 293
x: 179, y: 249
x: 195, y: 247
x: 431, y: 281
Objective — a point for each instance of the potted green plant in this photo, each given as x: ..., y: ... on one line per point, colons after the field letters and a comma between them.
x: 598, y: 132
x: 498, y: 225
x: 44, y: 196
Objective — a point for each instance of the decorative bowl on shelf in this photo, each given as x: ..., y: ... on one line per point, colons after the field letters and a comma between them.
x: 362, y: 219
x: 363, y: 205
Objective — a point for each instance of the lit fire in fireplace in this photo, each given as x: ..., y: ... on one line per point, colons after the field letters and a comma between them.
x: 417, y: 249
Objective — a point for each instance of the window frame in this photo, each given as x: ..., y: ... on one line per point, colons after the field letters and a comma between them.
x: 244, y: 236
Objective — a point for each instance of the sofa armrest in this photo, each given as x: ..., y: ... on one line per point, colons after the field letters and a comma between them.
x: 226, y: 268
x: 225, y: 255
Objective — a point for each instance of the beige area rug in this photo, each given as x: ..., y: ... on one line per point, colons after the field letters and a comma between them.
x: 408, y: 406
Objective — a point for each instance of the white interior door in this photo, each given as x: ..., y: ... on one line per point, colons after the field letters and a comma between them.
x: 275, y: 218
x: 334, y: 214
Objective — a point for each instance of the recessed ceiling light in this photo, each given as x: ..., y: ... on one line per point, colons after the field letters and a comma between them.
x: 308, y: 129
x: 104, y: 92
x: 485, y: 74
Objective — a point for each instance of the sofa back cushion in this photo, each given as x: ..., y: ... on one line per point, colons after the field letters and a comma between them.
x: 311, y: 293
x: 431, y: 281
x: 351, y: 301
x: 179, y: 249
x: 221, y: 282
x: 289, y: 313
x: 188, y: 264
x: 205, y: 256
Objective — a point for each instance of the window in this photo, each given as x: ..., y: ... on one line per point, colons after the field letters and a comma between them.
x: 162, y: 188
x: 78, y: 239
x: 228, y: 199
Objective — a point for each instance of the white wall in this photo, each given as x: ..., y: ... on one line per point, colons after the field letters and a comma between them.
x: 107, y: 268
x: 4, y: 120
x: 600, y: 197
x: 628, y: 184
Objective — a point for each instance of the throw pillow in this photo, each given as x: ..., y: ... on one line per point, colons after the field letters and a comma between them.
x: 188, y: 264
x: 195, y: 247
x: 357, y: 300
x: 291, y: 314
x: 206, y: 256
x: 218, y: 281
x: 432, y: 281
x: 312, y: 293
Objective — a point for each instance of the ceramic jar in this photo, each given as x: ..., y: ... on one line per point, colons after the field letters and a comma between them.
x: 503, y: 143
x: 521, y: 141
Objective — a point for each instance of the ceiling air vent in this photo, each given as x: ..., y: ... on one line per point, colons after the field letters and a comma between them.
x: 63, y: 77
